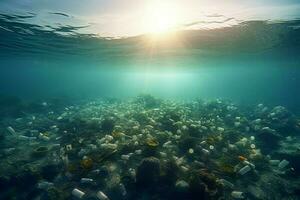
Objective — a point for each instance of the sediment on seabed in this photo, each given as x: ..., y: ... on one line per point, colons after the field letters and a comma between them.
x: 149, y: 148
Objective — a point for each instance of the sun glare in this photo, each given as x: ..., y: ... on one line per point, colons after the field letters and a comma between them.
x: 161, y: 17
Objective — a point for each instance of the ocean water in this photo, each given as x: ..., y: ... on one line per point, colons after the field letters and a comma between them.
x: 255, y: 61
x: 144, y: 111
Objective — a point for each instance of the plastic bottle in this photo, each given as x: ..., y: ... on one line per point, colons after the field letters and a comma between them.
x: 11, y: 130
x: 283, y: 164
x: 77, y: 193
x: 274, y: 162
x: 227, y: 183
x: 237, y: 195
x: 44, y: 185
x: 101, y: 196
x: 244, y: 170
x: 86, y: 180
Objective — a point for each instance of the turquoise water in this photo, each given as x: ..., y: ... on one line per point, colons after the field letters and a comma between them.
x: 255, y: 61
x: 191, y: 109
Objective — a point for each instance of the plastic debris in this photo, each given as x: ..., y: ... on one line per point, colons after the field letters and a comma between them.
x: 77, y: 193
x: 23, y: 137
x: 205, y: 151
x: 274, y: 162
x: 244, y: 170
x: 246, y: 162
x: 123, y: 189
x: 226, y: 183
x: 125, y: 157
x: 283, y: 164
x: 11, y: 130
x: 86, y: 180
x: 69, y: 147
x: 44, y: 185
x: 101, y: 196
x: 138, y: 152
x: 237, y: 195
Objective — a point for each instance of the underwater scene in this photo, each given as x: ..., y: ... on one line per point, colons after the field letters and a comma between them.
x: 149, y: 100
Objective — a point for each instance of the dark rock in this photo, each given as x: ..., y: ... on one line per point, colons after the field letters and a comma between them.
x: 53, y: 194
x: 130, y: 186
x: 33, y: 193
x: 186, y: 143
x: 203, y: 185
x: 197, y: 189
x: 4, y: 182
x: 170, y: 172
x: 49, y: 172
x: 148, y: 172
x: 194, y: 131
x: 25, y: 179
x: 209, y: 179
x: 182, y: 186
x: 108, y: 125
x: 268, y: 140
x: 167, y: 124
x: 118, y: 192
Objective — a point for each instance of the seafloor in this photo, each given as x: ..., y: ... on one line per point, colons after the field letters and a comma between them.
x: 148, y: 149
